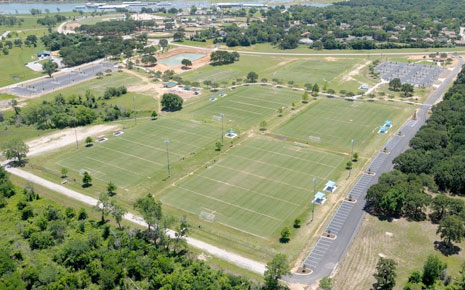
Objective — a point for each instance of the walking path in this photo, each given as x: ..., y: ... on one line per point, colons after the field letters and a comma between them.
x: 233, y: 258
x: 329, y: 252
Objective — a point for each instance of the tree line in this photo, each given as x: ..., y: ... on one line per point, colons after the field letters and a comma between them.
x: 57, y: 247
x: 427, y: 177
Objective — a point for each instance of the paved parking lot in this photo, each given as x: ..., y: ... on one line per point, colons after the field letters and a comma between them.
x: 61, y: 80
x: 414, y: 74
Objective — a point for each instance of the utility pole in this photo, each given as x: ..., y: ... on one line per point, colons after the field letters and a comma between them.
x: 167, y: 142
x: 75, y: 132
x: 222, y: 126
x: 135, y: 113
x: 314, y: 192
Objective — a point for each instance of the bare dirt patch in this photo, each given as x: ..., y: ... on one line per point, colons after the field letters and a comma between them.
x: 65, y: 137
x: 330, y: 58
x: 350, y: 76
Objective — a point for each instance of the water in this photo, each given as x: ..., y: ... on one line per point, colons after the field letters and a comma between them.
x: 176, y: 59
x: 25, y: 8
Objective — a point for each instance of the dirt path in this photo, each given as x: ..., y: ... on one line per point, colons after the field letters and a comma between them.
x: 212, y: 250
x: 149, y: 86
x: 65, y: 137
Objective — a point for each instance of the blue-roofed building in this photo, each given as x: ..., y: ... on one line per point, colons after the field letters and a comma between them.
x: 388, y: 124
x: 330, y: 186
x: 320, y: 198
x: 383, y: 129
x: 364, y: 87
x: 230, y: 134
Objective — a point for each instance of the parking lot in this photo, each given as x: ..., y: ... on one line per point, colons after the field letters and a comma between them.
x: 415, y: 74
x: 61, y: 80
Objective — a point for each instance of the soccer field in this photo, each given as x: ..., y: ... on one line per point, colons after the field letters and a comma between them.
x: 336, y: 122
x: 258, y: 187
x: 248, y: 106
x: 140, y: 153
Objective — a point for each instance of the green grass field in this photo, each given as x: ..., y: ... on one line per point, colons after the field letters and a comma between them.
x: 301, y: 70
x: 140, y: 153
x: 336, y: 122
x: 246, y: 106
x: 258, y: 187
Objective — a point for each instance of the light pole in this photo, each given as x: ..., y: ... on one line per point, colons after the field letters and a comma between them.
x: 75, y: 132
x: 222, y: 135
x: 352, y: 148
x: 134, y: 105
x: 314, y: 192
x: 167, y: 142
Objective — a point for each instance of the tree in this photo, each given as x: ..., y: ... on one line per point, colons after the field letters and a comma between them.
x: 181, y: 233
x: 154, y: 115
x: 297, y: 223
x: 218, y: 146
x: 186, y: 63
x: 285, y: 235
x: 385, y: 275
x: 88, y: 141
x: 432, y: 269
x: 263, y: 125
x: 118, y: 213
x: 16, y: 149
x: 451, y: 229
x: 64, y: 172
x: 325, y: 284
x: 163, y: 43
x: 349, y: 165
x: 178, y: 36
x: 315, y: 89
x: 104, y: 205
x: 305, y: 97
x: 275, y: 269
x: 171, y: 102
x: 14, y: 105
x: 111, y: 188
x: 280, y: 112
x: 149, y: 60
x: 86, y: 179
x: 82, y: 215
x: 407, y: 90
x: 355, y: 157
x: 252, y: 77
x: 49, y: 67
x: 395, y: 84
x: 150, y: 209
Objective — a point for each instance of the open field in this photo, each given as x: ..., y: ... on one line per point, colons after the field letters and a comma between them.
x: 245, y: 107
x: 399, y: 240
x: 301, y: 70
x: 257, y: 187
x: 15, y: 61
x: 140, y: 153
x: 336, y: 122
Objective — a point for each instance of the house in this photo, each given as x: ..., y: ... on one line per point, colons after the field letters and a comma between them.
x: 307, y: 41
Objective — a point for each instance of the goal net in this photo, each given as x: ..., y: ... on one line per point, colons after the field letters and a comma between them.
x: 216, y: 118
x: 207, y: 216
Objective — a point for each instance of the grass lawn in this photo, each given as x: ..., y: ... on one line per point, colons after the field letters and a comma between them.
x: 408, y: 243
x: 246, y: 106
x: 336, y: 122
x: 14, y: 61
x: 301, y: 70
x: 140, y: 153
x: 258, y: 187
x: 143, y: 102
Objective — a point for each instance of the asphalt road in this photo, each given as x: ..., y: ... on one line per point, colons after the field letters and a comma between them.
x: 328, y: 253
x: 61, y: 80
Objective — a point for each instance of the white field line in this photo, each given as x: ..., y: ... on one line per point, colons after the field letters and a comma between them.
x: 147, y: 137
x: 242, y: 110
x: 228, y: 203
x: 134, y: 156
x: 185, y: 132
x: 248, y: 104
x: 145, y: 145
x: 277, y: 166
x: 291, y: 156
x: 249, y: 190
x: 112, y: 165
x: 228, y: 256
x: 262, y: 100
x: 263, y: 177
